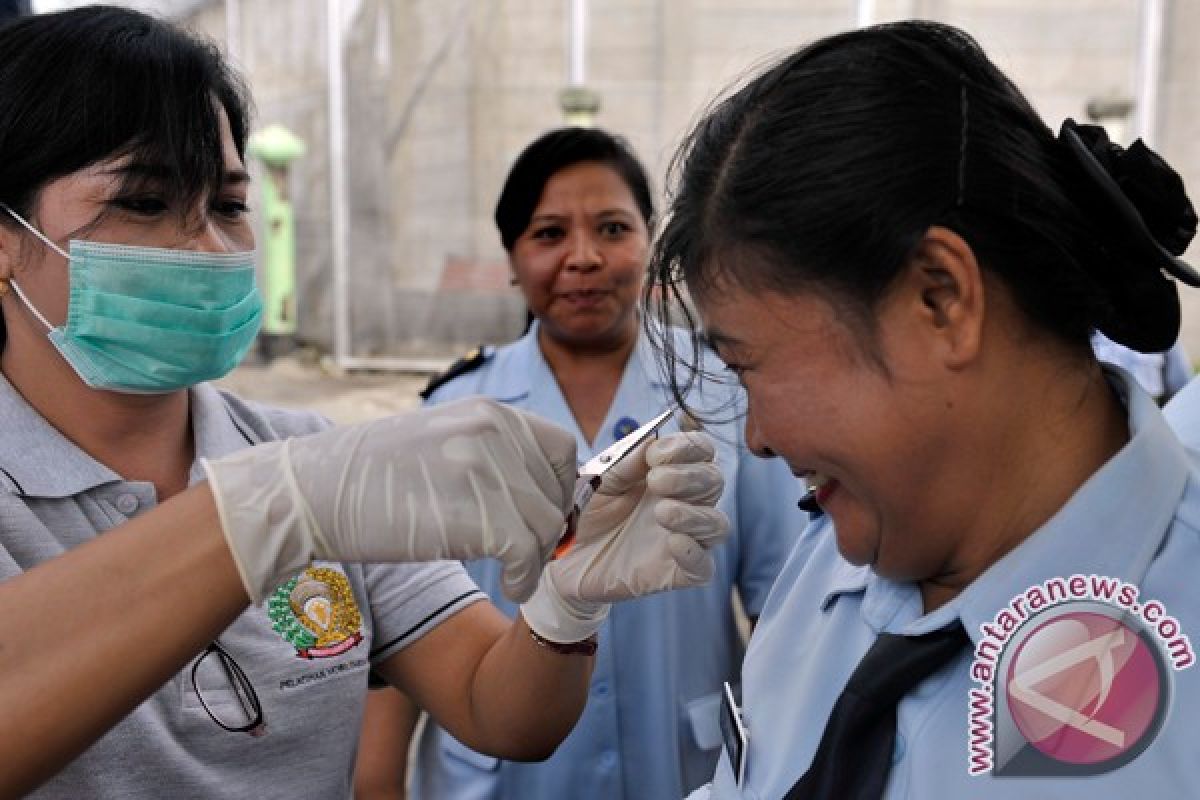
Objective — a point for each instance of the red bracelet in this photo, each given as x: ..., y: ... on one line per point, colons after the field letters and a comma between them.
x: 585, y: 648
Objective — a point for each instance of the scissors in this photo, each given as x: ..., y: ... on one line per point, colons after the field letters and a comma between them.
x: 591, y: 474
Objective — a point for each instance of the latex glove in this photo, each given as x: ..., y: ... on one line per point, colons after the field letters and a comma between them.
x: 649, y: 528
x: 462, y: 480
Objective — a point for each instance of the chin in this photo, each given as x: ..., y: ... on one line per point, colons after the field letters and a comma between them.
x: 588, y: 335
x: 857, y: 553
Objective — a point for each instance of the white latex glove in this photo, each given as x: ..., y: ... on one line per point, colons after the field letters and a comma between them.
x: 649, y: 528
x: 462, y: 480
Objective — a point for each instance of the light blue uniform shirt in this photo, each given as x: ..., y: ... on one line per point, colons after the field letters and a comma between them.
x: 1162, y: 375
x: 1183, y: 414
x: 1136, y: 519
x: 650, y: 729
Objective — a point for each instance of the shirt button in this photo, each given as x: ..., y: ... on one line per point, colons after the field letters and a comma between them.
x: 600, y: 689
x: 127, y: 503
x: 608, y: 760
x: 898, y: 750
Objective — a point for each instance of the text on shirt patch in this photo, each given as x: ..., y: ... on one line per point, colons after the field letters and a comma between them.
x: 322, y: 674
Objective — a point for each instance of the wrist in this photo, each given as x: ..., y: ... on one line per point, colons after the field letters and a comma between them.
x: 587, y: 647
x: 558, y: 619
x: 266, y: 525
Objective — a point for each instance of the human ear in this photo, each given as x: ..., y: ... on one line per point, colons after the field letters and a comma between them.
x: 10, y: 247
x: 950, y: 285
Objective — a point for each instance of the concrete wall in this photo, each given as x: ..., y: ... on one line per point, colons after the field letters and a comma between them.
x: 442, y: 95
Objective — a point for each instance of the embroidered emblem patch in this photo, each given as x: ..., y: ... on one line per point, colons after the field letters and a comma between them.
x: 316, y: 613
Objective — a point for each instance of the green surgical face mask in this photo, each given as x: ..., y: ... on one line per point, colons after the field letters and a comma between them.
x: 147, y: 320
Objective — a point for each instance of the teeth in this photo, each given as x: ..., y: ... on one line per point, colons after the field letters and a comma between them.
x: 816, y: 480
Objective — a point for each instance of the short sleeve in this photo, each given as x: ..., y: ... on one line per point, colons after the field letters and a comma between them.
x: 409, y: 600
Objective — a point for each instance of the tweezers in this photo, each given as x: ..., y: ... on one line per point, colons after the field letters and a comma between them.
x: 591, y: 474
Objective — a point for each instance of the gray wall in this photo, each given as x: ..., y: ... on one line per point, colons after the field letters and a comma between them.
x: 442, y: 95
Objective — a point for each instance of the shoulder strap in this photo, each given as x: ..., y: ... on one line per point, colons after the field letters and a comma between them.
x: 472, y: 361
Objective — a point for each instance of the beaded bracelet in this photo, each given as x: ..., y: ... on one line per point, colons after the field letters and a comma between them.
x: 585, y: 648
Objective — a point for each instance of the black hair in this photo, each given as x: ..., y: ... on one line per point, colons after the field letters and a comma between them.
x: 99, y: 82
x: 554, y: 151
x: 825, y: 171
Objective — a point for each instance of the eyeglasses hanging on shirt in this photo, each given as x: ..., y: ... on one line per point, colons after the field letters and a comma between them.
x: 235, y: 706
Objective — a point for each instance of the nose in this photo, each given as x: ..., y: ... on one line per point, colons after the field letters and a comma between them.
x: 754, y: 437
x: 208, y: 237
x: 582, y: 253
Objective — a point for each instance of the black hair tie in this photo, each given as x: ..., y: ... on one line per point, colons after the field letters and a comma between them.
x: 1143, y: 201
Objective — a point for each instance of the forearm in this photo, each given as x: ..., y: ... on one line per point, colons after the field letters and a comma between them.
x: 483, y: 678
x: 526, y: 698
x: 389, y: 721
x: 86, y: 637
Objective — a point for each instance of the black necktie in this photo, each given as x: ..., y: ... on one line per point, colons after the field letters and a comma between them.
x: 855, y: 753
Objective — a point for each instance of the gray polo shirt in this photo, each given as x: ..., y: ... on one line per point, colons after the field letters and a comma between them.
x: 306, y: 651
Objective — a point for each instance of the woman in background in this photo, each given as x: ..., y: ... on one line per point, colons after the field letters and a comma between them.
x: 574, y: 215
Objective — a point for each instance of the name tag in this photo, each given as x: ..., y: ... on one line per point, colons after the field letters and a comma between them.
x: 734, y: 734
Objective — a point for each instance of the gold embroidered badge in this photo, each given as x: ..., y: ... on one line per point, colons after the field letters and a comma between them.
x: 316, y: 613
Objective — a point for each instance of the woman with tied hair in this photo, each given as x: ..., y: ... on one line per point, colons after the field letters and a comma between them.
x: 903, y: 266
x: 191, y: 586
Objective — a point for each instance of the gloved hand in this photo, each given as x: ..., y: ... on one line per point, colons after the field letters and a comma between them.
x: 648, y: 528
x: 461, y: 480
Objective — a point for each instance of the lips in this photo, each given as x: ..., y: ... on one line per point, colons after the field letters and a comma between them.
x: 826, y: 490
x: 820, y: 487
x: 583, y: 294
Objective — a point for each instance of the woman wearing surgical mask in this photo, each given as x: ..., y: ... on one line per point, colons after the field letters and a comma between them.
x: 141, y: 509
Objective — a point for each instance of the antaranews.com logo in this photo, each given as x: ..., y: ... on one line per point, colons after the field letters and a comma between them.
x: 1073, y: 678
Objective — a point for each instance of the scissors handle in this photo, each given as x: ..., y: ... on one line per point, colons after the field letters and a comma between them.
x: 591, y: 474
x: 585, y: 487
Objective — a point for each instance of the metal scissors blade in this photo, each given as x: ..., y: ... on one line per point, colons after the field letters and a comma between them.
x: 607, y: 458
x: 592, y: 473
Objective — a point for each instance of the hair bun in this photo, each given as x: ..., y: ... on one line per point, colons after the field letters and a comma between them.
x: 1145, y: 180
x: 1142, y: 203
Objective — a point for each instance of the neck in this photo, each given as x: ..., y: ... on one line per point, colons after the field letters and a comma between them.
x: 611, y: 352
x: 1050, y: 430
x: 140, y: 437
x: 588, y: 376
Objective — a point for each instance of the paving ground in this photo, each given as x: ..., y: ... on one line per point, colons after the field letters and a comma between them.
x: 302, y: 380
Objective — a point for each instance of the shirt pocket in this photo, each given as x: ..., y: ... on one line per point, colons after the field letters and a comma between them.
x: 206, y: 676
x: 724, y: 785
x: 704, y: 717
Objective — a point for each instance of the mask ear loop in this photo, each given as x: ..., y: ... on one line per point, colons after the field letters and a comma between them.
x: 13, y: 283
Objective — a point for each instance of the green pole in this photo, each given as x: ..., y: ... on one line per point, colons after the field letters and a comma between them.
x: 276, y: 147
x: 279, y: 256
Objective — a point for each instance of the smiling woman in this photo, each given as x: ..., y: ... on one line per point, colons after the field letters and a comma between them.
x: 903, y: 265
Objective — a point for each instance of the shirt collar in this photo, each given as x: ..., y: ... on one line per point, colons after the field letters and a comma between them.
x: 41, y: 462
x: 844, y: 578
x: 1112, y: 526
x: 528, y: 366
x: 216, y: 431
